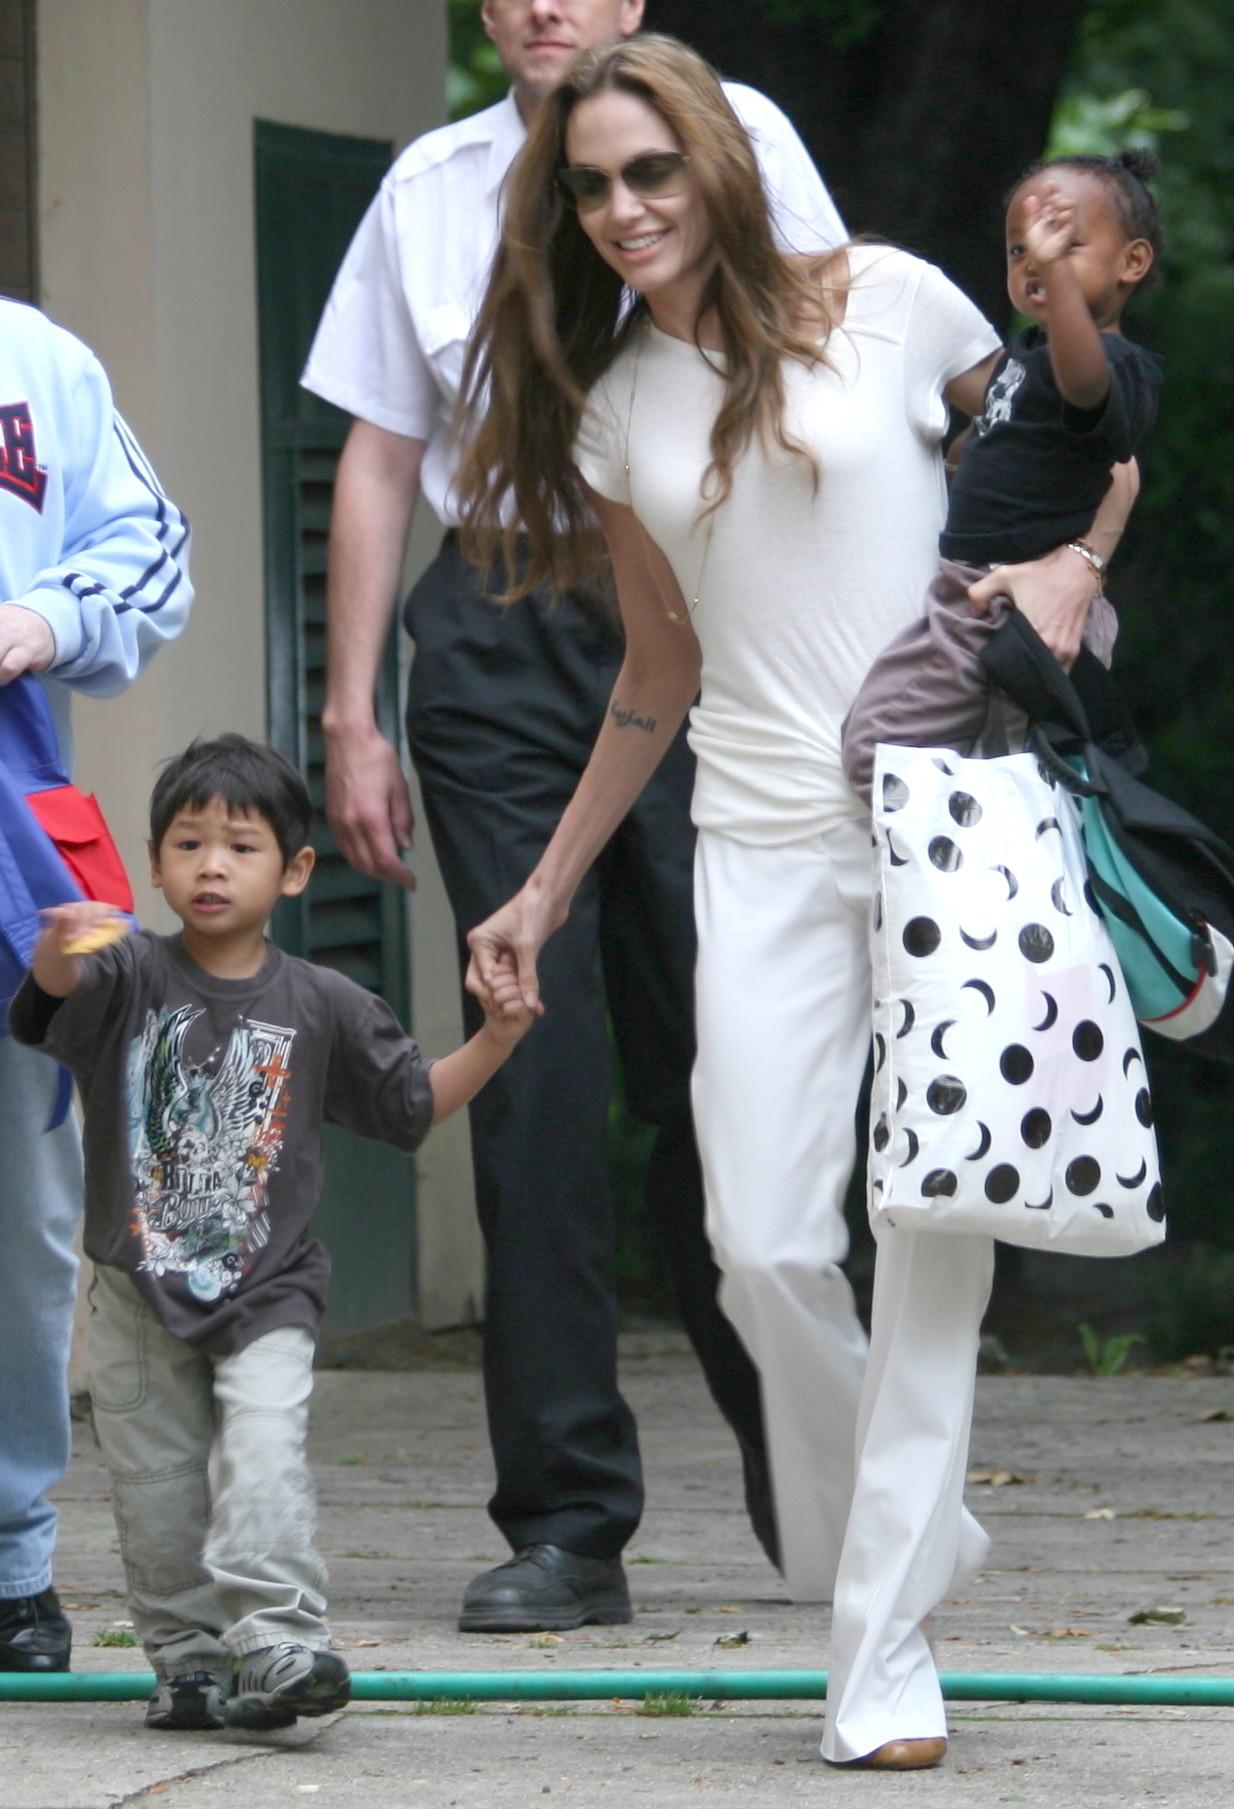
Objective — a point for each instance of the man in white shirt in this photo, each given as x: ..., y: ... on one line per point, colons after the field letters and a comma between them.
x: 503, y: 709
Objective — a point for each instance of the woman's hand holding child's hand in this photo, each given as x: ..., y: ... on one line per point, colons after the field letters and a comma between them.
x: 507, y: 1017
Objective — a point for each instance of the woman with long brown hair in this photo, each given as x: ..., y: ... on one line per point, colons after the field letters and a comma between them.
x: 758, y: 438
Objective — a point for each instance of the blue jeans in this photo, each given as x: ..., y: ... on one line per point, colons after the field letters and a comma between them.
x: 40, y: 1200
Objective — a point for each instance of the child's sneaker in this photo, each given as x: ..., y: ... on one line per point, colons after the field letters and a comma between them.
x: 277, y: 1683
x: 191, y: 1701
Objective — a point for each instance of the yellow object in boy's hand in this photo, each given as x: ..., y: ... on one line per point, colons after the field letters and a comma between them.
x: 100, y: 935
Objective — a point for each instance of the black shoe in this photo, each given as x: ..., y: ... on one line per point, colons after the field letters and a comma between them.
x: 35, y: 1634
x: 543, y: 1589
x: 760, y: 1502
x: 278, y: 1683
x: 191, y: 1702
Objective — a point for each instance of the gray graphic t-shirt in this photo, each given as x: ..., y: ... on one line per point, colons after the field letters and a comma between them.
x: 204, y: 1105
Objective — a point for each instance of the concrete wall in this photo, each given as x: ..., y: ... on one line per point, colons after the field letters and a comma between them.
x: 147, y: 249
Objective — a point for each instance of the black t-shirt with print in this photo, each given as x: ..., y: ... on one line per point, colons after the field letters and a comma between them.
x: 1035, y: 469
x: 204, y: 1101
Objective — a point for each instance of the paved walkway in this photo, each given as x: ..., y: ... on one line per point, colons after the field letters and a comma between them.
x: 1105, y: 1498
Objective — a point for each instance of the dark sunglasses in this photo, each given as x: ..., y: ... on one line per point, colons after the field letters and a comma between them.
x: 652, y: 175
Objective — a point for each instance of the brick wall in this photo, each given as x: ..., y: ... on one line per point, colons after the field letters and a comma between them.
x: 18, y: 268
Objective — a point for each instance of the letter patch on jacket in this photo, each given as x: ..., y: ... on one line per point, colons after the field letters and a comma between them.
x: 20, y: 471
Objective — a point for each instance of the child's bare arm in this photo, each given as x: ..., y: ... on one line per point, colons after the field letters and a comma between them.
x: 1076, y: 352
x: 456, y: 1079
x: 69, y: 932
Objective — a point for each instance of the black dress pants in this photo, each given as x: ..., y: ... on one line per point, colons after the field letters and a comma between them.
x: 504, y: 706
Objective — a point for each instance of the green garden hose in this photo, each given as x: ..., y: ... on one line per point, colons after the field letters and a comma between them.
x: 626, y: 1686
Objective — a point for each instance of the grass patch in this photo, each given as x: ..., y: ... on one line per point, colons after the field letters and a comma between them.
x: 115, y: 1636
x: 668, y: 1702
x: 447, y: 1705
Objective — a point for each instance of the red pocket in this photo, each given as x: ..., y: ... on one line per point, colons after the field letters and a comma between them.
x: 75, y: 824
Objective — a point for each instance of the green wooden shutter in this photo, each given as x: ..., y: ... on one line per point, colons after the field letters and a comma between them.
x: 311, y: 190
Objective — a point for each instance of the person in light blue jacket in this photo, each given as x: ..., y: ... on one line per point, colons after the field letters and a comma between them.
x: 93, y: 579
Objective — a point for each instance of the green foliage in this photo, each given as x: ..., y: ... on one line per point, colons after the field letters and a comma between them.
x: 1192, y: 1310
x: 475, y: 77
x: 1108, y: 1356
x: 115, y: 1636
x: 447, y: 1705
x: 1100, y: 125
x: 1157, y: 72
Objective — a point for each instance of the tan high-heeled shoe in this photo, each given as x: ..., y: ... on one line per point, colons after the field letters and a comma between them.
x: 900, y: 1755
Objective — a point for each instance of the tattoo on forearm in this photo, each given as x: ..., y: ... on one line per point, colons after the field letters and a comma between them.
x: 630, y: 719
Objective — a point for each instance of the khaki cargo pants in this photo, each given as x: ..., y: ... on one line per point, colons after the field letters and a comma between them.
x: 211, y: 1490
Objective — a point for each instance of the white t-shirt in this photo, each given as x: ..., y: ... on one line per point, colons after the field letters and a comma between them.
x: 394, y: 333
x: 798, y: 592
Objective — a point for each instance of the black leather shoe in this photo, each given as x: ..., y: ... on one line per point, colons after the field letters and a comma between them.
x: 543, y: 1589
x: 35, y: 1635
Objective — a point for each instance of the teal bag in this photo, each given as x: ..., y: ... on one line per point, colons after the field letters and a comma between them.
x: 1165, y: 959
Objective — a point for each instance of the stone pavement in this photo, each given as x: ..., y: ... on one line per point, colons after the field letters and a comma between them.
x: 1104, y: 1497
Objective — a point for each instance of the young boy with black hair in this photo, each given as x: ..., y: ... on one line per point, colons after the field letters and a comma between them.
x: 208, y: 1062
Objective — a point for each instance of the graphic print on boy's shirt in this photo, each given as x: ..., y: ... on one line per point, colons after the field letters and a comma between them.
x: 203, y: 1149
x: 204, y: 1140
x: 1000, y: 397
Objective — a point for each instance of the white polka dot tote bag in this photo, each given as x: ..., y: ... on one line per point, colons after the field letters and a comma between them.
x: 1010, y: 1094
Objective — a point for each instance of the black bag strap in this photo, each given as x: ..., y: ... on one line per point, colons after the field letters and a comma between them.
x: 1018, y: 661
x: 1077, y: 708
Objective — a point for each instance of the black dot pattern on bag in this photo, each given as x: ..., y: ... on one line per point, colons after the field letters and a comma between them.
x: 1083, y: 1175
x: 946, y: 1095
x: 1035, y: 1128
x: 921, y: 936
x: 895, y: 792
x: 1062, y: 1071
x: 1036, y: 942
x: 1002, y: 1184
x: 944, y: 854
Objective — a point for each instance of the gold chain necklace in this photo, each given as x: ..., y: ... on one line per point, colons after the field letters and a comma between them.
x: 672, y: 614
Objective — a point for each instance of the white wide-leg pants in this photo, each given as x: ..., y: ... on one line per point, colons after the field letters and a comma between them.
x: 867, y: 1458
